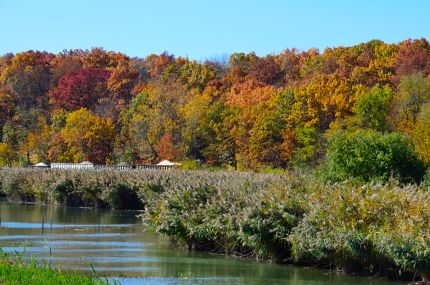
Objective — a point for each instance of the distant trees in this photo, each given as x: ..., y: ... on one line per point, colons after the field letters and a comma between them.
x: 252, y: 112
x: 29, y: 76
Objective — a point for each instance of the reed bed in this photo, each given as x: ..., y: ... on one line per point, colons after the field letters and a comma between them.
x: 289, y: 218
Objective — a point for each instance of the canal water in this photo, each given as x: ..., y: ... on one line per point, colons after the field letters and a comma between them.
x: 115, y: 243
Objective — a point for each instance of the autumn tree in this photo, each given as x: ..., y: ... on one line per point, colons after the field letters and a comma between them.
x: 375, y: 64
x: 267, y: 133
x: 195, y: 75
x: 421, y: 133
x: 98, y: 58
x: 414, y: 91
x: 166, y: 147
x: 137, y: 141
x: 155, y: 64
x: 290, y: 61
x: 222, y: 148
x: 324, y: 100
x: 6, y: 155
x: 6, y: 106
x: 266, y: 70
x: 240, y: 64
x: 28, y: 77
x: 89, y: 137
x: 83, y: 88
x: 413, y: 56
x: 35, y: 147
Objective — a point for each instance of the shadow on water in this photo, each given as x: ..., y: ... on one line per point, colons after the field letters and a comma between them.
x: 115, y: 243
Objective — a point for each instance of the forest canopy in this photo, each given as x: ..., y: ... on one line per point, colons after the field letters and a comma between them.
x: 248, y: 112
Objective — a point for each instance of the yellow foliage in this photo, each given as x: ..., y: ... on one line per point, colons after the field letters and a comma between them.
x: 325, y: 99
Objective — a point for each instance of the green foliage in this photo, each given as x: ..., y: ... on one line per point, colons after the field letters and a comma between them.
x: 309, y: 146
x: 373, y: 108
x: 14, y: 269
x: 190, y: 164
x: 369, y: 155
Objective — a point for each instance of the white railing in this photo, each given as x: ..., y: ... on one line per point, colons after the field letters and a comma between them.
x: 63, y: 165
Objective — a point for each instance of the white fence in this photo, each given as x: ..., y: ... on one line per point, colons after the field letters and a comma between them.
x: 71, y: 166
x: 108, y: 167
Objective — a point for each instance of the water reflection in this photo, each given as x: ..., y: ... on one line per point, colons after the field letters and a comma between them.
x: 115, y: 242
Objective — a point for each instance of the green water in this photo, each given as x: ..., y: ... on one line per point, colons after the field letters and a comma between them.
x: 115, y: 243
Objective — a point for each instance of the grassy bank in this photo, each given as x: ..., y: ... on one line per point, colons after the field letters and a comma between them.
x: 15, y: 270
x: 364, y: 229
x: 361, y: 228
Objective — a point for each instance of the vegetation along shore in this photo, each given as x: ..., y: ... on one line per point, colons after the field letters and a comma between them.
x: 14, y: 269
x: 356, y: 227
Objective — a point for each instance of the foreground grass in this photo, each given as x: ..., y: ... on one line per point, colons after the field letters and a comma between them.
x: 16, y: 270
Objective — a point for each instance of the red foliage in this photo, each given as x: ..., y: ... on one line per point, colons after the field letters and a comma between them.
x: 155, y: 64
x: 413, y: 56
x: 166, y: 148
x: 266, y: 70
x: 82, y: 88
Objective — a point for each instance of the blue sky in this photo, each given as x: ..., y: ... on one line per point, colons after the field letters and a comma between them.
x: 204, y: 29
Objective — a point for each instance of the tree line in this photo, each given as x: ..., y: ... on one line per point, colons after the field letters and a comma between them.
x: 282, y: 110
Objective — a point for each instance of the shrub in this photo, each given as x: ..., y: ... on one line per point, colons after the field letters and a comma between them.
x: 369, y: 155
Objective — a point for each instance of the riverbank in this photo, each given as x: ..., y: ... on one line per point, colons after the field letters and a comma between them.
x: 369, y: 229
x: 372, y: 229
x: 14, y: 269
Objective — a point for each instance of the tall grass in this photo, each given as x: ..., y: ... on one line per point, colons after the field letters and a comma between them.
x: 14, y: 269
x: 129, y: 189
x: 367, y: 228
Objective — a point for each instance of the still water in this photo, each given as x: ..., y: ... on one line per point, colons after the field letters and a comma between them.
x: 115, y: 243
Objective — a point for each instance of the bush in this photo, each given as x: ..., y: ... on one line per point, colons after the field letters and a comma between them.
x: 369, y: 155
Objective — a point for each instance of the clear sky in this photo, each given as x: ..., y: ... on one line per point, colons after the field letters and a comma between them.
x: 203, y: 29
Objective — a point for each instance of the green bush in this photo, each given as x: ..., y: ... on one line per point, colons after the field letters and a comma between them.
x: 369, y: 155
